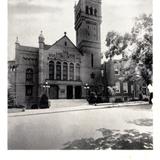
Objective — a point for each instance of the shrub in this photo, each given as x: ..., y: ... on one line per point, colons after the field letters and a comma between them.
x: 117, y: 100
x: 34, y: 106
x: 43, y: 102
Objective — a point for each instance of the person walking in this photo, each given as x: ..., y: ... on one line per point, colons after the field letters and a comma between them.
x: 150, y: 87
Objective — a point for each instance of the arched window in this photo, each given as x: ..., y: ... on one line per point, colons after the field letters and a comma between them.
x: 51, y: 70
x: 87, y: 10
x: 29, y: 75
x: 95, y: 12
x: 91, y: 11
x: 77, y: 72
x: 58, y: 70
x: 65, y: 71
x: 71, y: 71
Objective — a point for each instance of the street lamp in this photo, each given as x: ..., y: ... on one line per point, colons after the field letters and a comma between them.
x: 86, y: 87
x: 46, y: 86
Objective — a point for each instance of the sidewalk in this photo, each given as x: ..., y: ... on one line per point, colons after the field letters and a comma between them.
x: 84, y: 107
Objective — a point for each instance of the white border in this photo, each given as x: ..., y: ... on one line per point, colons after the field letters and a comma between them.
x: 156, y: 73
x: 26, y: 155
x: 3, y: 75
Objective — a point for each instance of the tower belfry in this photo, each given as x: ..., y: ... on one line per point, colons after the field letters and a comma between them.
x: 88, y: 36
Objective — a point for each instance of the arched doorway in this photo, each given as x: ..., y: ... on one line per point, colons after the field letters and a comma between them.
x: 53, y: 92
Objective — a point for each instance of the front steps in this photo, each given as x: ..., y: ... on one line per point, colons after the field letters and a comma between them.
x: 57, y: 103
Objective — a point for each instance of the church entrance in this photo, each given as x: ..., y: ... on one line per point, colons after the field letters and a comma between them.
x: 78, y: 92
x: 69, y: 92
x: 53, y: 92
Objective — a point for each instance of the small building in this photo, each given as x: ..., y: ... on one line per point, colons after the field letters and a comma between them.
x: 122, y: 88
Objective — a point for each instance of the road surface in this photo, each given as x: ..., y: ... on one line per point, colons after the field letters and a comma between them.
x: 53, y: 130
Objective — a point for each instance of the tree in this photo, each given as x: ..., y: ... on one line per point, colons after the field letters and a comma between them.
x: 116, y: 44
x: 142, y: 55
x: 136, y: 47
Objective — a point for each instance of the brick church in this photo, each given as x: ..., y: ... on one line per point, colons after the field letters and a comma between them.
x: 62, y: 70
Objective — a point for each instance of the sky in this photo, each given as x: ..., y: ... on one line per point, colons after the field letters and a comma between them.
x: 26, y: 18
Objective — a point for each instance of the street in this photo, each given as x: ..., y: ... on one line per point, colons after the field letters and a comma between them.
x: 82, y: 129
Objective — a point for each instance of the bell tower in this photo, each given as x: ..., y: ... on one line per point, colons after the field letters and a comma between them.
x: 88, y: 37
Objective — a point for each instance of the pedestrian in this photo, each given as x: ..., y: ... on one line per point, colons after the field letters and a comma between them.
x: 150, y: 87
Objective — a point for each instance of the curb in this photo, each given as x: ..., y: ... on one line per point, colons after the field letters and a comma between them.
x: 73, y: 109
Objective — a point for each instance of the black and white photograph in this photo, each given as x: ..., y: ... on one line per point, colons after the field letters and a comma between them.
x: 80, y: 75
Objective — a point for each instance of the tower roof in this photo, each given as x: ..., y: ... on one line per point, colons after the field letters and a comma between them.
x: 17, y: 40
x: 41, y: 35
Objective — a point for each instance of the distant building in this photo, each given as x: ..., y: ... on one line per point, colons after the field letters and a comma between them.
x: 123, y: 89
x: 63, y: 69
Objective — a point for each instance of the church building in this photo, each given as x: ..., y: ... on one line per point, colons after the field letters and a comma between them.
x: 62, y: 70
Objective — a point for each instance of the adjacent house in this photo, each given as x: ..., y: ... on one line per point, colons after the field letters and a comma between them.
x: 122, y: 87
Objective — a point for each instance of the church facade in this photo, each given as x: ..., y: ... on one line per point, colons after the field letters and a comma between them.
x: 61, y: 70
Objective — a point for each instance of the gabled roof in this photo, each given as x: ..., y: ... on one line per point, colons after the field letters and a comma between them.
x: 59, y: 41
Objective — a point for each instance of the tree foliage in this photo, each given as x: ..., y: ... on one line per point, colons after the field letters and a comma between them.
x: 142, y: 37
x: 116, y: 44
x: 138, y: 43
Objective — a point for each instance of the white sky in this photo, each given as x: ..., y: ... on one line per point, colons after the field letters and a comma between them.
x: 27, y: 18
